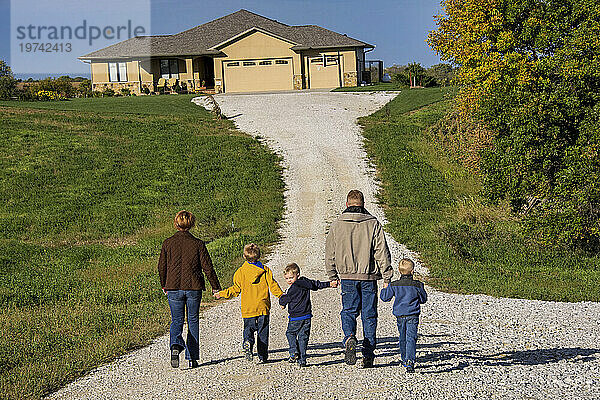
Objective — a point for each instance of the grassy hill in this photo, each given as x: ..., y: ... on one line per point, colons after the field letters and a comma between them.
x: 434, y: 206
x: 89, y: 189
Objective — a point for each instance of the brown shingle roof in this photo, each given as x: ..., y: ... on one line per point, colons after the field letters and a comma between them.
x: 201, y: 39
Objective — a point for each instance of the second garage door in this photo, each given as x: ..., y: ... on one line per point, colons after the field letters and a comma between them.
x: 258, y: 75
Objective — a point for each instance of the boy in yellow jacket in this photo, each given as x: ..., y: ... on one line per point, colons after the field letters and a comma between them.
x: 254, y: 281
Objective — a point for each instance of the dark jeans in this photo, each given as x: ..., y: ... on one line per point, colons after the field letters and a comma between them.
x: 179, y: 301
x: 297, y: 334
x: 360, y: 297
x: 407, y: 328
x: 260, y: 325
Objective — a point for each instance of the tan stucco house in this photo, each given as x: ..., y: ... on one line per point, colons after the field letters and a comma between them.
x: 240, y: 52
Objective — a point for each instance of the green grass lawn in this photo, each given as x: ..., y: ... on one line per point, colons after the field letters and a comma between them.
x: 434, y: 206
x: 89, y: 189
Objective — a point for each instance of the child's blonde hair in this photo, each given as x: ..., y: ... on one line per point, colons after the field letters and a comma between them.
x: 406, y: 266
x: 291, y: 267
x: 184, y: 220
x: 251, y: 252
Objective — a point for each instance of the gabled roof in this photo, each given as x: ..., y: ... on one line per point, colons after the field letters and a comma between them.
x: 202, y: 39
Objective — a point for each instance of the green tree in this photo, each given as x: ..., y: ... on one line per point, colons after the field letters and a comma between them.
x: 441, y: 74
x: 530, y: 71
x: 7, y: 81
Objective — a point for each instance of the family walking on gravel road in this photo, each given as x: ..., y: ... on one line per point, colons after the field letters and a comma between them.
x: 356, y: 256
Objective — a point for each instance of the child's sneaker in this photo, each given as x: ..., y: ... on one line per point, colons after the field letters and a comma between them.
x: 410, y: 367
x: 350, y: 356
x: 247, y: 351
x: 261, y: 361
x: 293, y: 359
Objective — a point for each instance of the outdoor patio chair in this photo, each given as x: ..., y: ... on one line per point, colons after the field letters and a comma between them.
x: 162, y: 83
x: 171, y: 83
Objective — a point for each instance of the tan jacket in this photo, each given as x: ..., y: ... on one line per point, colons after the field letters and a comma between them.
x: 356, y: 248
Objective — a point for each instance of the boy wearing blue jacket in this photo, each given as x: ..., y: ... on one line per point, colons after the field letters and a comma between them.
x: 409, y: 295
x: 297, y: 298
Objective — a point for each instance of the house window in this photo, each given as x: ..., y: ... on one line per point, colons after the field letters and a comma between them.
x: 117, y: 72
x: 331, y: 60
x: 265, y: 63
x: 248, y: 63
x: 169, y: 69
x: 233, y: 64
x: 317, y: 60
x: 281, y: 61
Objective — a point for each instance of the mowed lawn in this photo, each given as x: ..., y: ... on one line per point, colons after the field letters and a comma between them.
x: 89, y: 189
x: 434, y: 206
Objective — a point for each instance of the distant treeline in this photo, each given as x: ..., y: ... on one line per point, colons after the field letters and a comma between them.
x: 413, y: 74
x: 60, y: 88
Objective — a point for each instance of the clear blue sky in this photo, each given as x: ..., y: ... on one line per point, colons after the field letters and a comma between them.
x: 398, y: 28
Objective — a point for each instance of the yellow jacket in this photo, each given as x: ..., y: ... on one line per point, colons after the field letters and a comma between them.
x: 254, y: 284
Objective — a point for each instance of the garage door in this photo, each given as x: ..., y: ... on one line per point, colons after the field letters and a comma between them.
x: 324, y: 72
x: 258, y: 75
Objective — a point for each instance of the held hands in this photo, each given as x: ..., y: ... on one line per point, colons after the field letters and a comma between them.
x: 164, y: 291
x: 334, y: 284
x: 216, y: 294
x: 385, y: 284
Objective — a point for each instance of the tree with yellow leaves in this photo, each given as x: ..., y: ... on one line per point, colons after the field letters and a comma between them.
x: 530, y: 71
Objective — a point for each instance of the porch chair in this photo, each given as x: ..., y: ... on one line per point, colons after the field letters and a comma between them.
x: 171, y: 83
x: 162, y: 83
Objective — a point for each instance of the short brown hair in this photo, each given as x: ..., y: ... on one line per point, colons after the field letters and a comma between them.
x: 355, y: 198
x: 406, y: 266
x: 251, y: 252
x: 184, y: 220
x: 291, y: 267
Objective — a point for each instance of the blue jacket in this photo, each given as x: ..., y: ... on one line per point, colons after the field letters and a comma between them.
x: 409, y: 294
x: 297, y: 297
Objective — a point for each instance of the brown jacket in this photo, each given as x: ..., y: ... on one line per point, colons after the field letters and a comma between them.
x: 356, y: 248
x: 182, y: 259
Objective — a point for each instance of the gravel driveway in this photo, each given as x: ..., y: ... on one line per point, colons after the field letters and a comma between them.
x: 470, y: 347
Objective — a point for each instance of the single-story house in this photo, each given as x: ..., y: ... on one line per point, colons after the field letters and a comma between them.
x: 240, y: 52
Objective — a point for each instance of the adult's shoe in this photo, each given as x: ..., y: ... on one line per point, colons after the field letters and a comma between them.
x: 367, y: 362
x: 194, y: 364
x: 350, y: 353
x: 175, y: 358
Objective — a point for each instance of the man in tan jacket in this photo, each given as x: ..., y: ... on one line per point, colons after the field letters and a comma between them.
x: 357, y: 253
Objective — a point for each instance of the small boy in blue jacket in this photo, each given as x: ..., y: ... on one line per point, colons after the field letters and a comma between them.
x: 297, y: 298
x: 409, y: 294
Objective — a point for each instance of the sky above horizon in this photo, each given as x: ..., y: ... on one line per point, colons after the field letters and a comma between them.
x: 398, y: 28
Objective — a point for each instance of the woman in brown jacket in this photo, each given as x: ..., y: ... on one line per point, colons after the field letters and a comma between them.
x: 182, y: 260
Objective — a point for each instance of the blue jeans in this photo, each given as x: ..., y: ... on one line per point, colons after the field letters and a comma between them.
x: 260, y: 325
x: 179, y: 300
x: 360, y: 297
x: 407, y: 328
x: 297, y: 335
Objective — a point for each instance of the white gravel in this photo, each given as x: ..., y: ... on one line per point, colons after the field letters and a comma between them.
x: 470, y: 347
